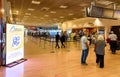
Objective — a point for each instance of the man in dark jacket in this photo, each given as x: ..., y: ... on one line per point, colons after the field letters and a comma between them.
x: 57, y: 38
x: 63, y: 39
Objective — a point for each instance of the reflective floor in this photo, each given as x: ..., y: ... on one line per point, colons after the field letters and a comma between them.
x: 44, y: 60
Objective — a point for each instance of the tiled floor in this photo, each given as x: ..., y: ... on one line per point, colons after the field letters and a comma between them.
x: 43, y: 60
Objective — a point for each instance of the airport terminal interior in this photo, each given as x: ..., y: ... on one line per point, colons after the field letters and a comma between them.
x: 28, y: 31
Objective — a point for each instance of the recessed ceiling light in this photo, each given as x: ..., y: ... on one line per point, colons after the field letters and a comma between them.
x: 63, y: 6
x: 53, y: 12
x: 30, y: 9
x: 27, y: 14
x: 35, y: 2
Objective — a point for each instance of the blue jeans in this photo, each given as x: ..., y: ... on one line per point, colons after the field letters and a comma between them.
x: 84, y: 56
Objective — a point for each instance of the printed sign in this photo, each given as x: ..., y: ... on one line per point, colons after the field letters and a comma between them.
x: 14, y: 43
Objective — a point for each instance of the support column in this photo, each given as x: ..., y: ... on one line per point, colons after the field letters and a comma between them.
x: 107, y: 30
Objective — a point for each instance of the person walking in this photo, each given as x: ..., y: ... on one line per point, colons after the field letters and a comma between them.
x: 113, y: 42
x: 100, y: 50
x: 85, y: 48
x: 57, y: 38
x: 63, y: 39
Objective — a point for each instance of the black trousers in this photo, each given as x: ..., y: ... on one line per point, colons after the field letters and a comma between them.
x: 62, y: 44
x: 57, y: 45
x: 113, y: 45
x: 100, y: 59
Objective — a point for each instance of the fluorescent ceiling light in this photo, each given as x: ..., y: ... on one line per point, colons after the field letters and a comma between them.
x: 17, y: 12
x: 10, y: 12
x: 45, y: 8
x: 30, y: 9
x: 46, y: 15
x: 41, y: 18
x: 27, y: 14
x: 34, y: 16
x: 97, y: 22
x: 53, y: 12
x: 83, y: 10
x: 118, y: 6
x: 35, y: 2
x: 105, y: 2
x: 74, y: 18
x: 24, y: 19
x: 83, y: 4
x: 55, y: 19
x: 70, y: 14
x: 2, y: 10
x: 11, y: 18
x: 63, y: 6
x: 61, y: 17
x: 17, y: 19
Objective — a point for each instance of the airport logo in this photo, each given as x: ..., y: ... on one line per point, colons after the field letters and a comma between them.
x: 15, y: 41
x: 13, y: 28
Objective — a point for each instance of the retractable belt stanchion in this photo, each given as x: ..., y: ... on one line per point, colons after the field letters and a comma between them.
x: 78, y: 44
x: 0, y: 57
x: 52, y: 44
x: 68, y: 46
x: 39, y: 41
x: 44, y: 42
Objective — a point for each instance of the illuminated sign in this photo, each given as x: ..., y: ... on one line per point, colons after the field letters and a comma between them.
x: 14, y: 43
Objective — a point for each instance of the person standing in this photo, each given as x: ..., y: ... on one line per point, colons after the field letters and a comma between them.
x: 85, y: 48
x: 100, y: 50
x: 63, y: 39
x: 90, y: 39
x: 57, y: 38
x: 113, y: 42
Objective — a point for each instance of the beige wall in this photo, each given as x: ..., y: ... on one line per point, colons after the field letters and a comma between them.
x: 90, y: 22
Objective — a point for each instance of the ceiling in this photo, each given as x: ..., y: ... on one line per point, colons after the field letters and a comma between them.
x: 53, y: 11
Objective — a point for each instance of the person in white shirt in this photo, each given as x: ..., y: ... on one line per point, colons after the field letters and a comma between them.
x: 85, y: 48
x: 113, y: 42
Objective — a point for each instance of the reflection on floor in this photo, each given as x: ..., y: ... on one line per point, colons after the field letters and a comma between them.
x: 46, y: 61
